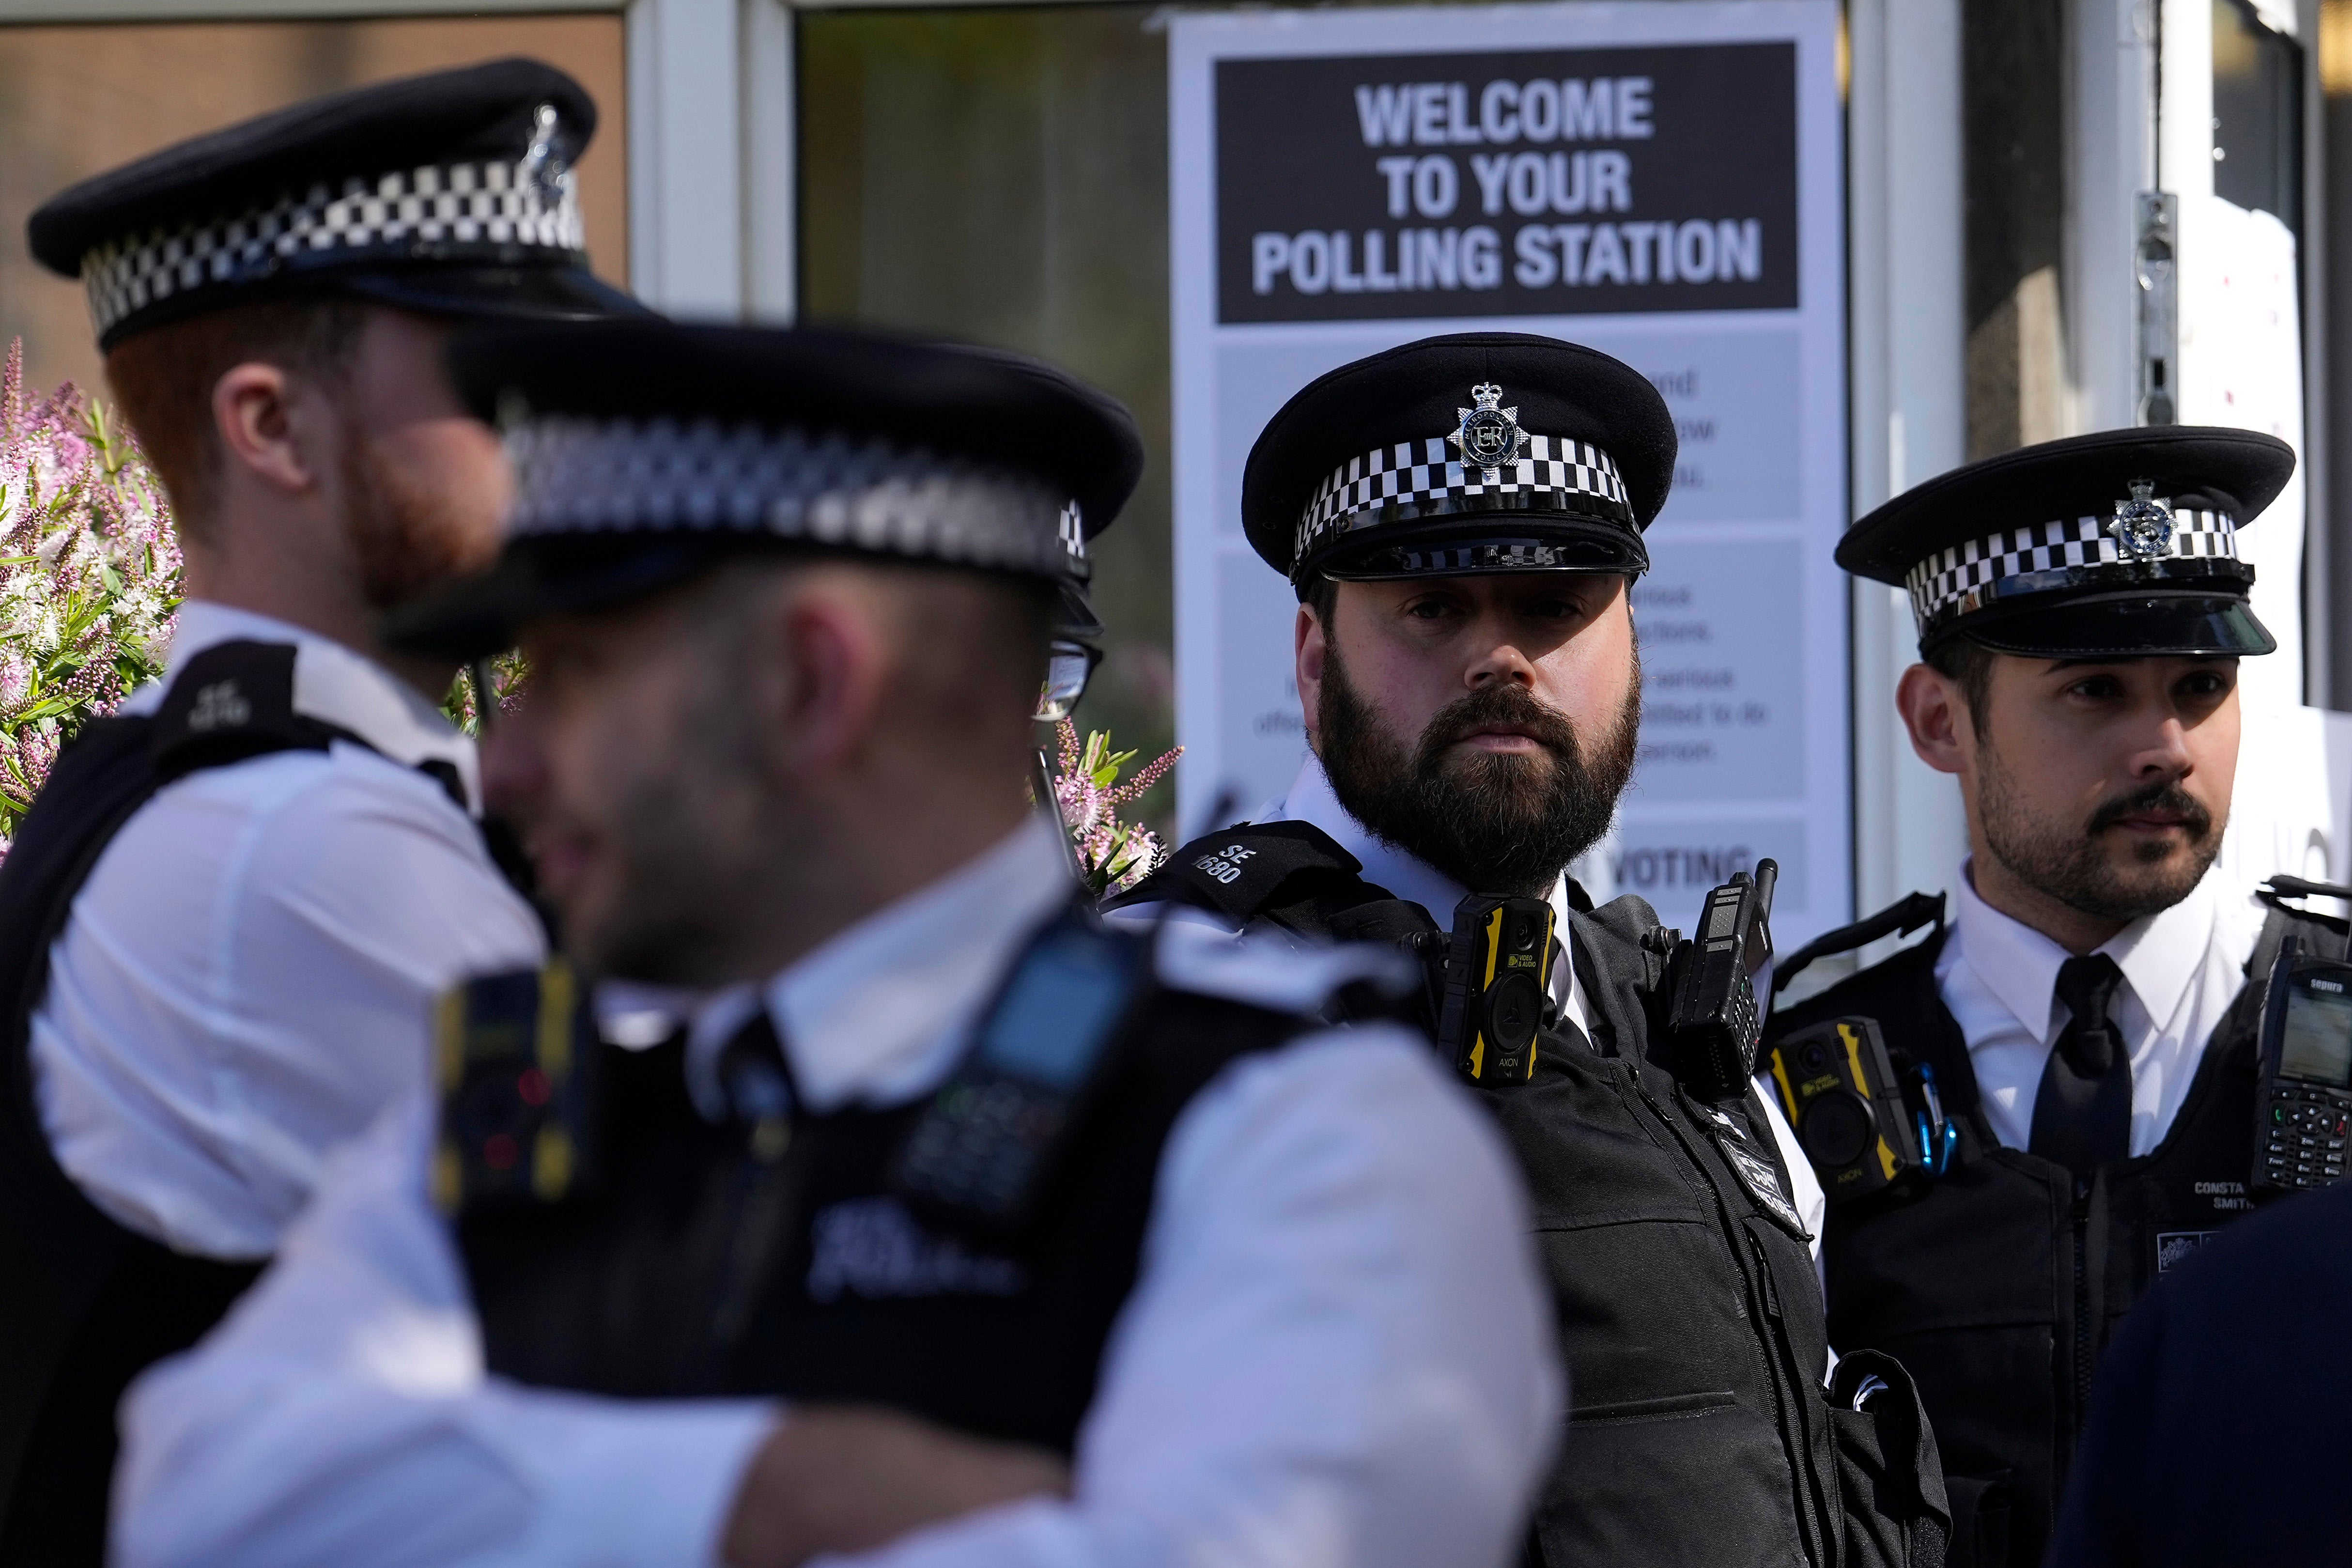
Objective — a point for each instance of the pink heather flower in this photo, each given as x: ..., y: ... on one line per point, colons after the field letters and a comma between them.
x: 90, y: 575
x: 1086, y: 789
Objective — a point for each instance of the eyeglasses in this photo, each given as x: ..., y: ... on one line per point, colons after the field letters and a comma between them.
x: 1068, y: 667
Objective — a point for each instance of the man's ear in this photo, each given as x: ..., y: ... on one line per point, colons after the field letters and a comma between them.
x: 268, y: 426
x: 1306, y: 651
x: 1936, y: 714
x: 826, y: 689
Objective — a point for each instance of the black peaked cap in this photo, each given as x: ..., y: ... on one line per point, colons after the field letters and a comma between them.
x: 986, y: 404
x: 663, y: 448
x: 2117, y: 544
x: 337, y: 145
x: 1416, y: 392
x: 2237, y: 472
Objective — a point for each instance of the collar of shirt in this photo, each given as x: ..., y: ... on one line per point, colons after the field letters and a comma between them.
x: 2158, y: 954
x: 331, y: 684
x: 879, y: 1012
x: 1311, y: 800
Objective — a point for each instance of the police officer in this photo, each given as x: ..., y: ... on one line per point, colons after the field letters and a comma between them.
x: 1065, y: 1214
x: 1462, y: 519
x: 2086, y: 1016
x: 222, y: 917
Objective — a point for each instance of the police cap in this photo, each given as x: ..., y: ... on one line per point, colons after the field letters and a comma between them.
x: 646, y: 451
x: 2121, y: 543
x: 450, y: 192
x: 1472, y: 452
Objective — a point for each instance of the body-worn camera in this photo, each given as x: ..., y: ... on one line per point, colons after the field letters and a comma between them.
x: 517, y: 1064
x: 1497, y: 965
x: 1846, y: 1099
x: 1486, y: 985
x: 1718, y: 1020
x: 2303, y: 1104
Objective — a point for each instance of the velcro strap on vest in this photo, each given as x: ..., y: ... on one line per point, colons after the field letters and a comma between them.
x: 1245, y: 871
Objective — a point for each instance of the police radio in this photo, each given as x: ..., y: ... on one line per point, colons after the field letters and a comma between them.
x: 1717, y: 1020
x: 981, y: 1150
x: 1838, y: 1085
x: 2304, y: 1103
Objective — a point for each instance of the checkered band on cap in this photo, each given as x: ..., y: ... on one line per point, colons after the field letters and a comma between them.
x: 448, y: 209
x: 1420, y: 479
x: 582, y: 476
x: 1971, y: 575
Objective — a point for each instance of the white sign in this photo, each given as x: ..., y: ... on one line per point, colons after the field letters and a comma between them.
x: 1661, y: 181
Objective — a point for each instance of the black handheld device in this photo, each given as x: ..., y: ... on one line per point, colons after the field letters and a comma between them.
x: 1844, y: 1095
x: 517, y: 1064
x: 982, y: 1148
x: 1717, y: 1021
x: 1497, y: 966
x: 2303, y: 1102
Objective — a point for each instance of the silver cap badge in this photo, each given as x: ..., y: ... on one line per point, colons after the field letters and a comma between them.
x: 1489, y: 435
x: 2142, y: 525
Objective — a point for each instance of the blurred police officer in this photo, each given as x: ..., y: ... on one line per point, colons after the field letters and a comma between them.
x: 2086, y: 1016
x: 224, y: 914
x: 1462, y: 518
x: 1065, y: 1214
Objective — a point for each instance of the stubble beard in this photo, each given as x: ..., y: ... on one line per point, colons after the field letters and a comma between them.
x: 1496, y: 823
x: 2068, y: 862
x: 409, y: 537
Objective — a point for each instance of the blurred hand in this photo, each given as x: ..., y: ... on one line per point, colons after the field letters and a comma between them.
x: 849, y: 1479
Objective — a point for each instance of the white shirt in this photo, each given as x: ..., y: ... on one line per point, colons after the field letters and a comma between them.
x: 2182, y: 968
x: 1312, y: 800
x: 1337, y: 1352
x: 240, y: 983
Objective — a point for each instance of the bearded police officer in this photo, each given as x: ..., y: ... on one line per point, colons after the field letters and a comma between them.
x: 2078, y: 1044
x: 1462, y: 521
x: 998, y: 1202
x: 223, y: 915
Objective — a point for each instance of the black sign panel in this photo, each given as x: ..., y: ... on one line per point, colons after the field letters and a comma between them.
x: 1544, y: 183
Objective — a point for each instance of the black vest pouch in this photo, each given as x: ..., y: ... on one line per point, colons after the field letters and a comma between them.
x: 1897, y: 1514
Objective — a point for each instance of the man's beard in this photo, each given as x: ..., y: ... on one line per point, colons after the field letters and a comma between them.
x: 696, y: 834
x: 1497, y: 822
x: 409, y: 537
x: 2070, y: 864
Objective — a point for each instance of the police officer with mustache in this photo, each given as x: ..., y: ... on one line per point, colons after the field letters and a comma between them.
x: 1462, y: 519
x: 2079, y: 1037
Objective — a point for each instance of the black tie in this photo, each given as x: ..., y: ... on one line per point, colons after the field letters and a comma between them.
x: 756, y: 1077
x: 2082, y: 1113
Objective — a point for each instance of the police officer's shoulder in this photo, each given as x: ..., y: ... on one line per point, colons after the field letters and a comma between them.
x: 1250, y: 868
x: 1264, y: 972
x: 1888, y: 987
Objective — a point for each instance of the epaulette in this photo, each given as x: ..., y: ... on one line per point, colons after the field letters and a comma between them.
x: 233, y: 701
x: 515, y: 1061
x: 1255, y: 870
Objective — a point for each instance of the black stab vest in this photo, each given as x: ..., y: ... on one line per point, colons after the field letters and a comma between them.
x: 88, y: 1304
x: 1995, y: 1283
x: 1690, y: 1320
x: 692, y: 1266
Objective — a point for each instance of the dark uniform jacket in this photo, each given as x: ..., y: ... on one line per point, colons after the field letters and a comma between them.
x: 1688, y: 1312
x: 692, y: 1257
x: 2217, y: 1423
x: 1998, y: 1283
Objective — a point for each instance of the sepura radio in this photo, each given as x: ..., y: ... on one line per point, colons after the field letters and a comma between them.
x: 2303, y: 1104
